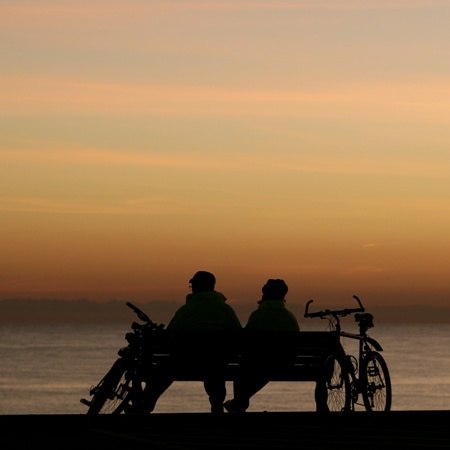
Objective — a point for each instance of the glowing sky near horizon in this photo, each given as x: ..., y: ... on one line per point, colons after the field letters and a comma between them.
x: 141, y: 141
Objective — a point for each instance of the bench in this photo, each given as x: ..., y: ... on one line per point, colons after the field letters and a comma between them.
x: 283, y: 356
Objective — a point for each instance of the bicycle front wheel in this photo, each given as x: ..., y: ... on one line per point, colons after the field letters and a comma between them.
x: 333, y: 389
x: 376, y: 383
x: 112, y: 394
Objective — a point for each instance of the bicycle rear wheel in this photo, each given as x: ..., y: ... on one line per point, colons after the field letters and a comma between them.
x: 112, y: 394
x: 376, y: 383
x: 333, y: 388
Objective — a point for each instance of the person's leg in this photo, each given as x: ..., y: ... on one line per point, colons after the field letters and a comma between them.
x: 154, y: 388
x: 241, y: 400
x: 248, y: 384
x: 215, y: 387
x: 255, y: 386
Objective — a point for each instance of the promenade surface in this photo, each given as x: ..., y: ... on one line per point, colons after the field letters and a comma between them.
x: 252, y: 431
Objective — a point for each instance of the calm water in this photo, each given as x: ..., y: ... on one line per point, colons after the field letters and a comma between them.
x: 46, y: 369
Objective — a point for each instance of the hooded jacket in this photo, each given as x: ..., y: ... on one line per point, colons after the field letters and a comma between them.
x: 204, y: 311
x: 272, y: 315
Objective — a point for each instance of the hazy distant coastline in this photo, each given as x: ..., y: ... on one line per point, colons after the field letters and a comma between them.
x: 86, y: 311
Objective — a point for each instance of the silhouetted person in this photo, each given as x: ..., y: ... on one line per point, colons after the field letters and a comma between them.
x: 271, y: 316
x: 205, y: 310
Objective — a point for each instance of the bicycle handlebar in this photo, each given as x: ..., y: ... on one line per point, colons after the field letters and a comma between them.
x: 336, y: 312
x: 140, y: 314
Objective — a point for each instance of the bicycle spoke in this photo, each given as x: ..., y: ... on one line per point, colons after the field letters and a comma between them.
x: 338, y: 387
x: 377, y: 384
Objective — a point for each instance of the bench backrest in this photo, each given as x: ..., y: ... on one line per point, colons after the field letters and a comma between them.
x: 285, y: 356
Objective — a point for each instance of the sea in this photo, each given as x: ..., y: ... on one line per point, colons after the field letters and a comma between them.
x: 48, y: 368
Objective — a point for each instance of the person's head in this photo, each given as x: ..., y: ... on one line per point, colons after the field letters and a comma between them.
x: 202, y: 281
x: 274, y: 289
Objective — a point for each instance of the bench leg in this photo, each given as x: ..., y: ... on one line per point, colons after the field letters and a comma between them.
x: 321, y: 396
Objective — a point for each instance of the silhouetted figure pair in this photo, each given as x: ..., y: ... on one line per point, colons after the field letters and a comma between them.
x: 206, y: 310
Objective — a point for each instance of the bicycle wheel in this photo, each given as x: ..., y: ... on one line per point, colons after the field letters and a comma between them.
x: 112, y: 393
x: 333, y: 392
x: 376, y: 383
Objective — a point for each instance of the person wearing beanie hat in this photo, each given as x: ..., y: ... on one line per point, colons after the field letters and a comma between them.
x: 271, y: 316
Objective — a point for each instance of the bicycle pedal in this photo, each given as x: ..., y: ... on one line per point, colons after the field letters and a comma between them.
x: 373, y: 372
x: 85, y: 402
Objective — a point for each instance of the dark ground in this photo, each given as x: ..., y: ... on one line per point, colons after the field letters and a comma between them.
x: 256, y: 431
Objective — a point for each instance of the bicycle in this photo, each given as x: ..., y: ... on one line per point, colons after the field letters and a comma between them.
x: 120, y: 390
x: 348, y: 377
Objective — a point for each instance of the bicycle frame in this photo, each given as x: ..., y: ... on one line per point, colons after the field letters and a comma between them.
x: 368, y: 373
x: 366, y: 346
x: 120, y: 390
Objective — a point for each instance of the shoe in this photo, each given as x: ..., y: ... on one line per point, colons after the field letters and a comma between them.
x: 134, y: 409
x: 322, y: 408
x: 231, y: 407
x: 216, y: 409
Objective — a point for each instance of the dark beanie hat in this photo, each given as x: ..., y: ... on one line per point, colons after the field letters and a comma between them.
x: 204, y: 278
x: 275, y: 289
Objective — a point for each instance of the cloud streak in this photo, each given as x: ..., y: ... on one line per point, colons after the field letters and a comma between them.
x: 83, y: 9
x: 137, y: 206
x: 301, y: 163
x: 23, y: 94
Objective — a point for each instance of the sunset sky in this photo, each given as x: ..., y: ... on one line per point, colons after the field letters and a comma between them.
x: 142, y: 140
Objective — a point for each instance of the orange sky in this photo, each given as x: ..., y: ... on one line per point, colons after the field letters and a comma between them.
x: 140, y: 142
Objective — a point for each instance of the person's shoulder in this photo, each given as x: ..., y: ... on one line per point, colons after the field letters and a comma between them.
x: 218, y: 296
x: 294, y: 320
